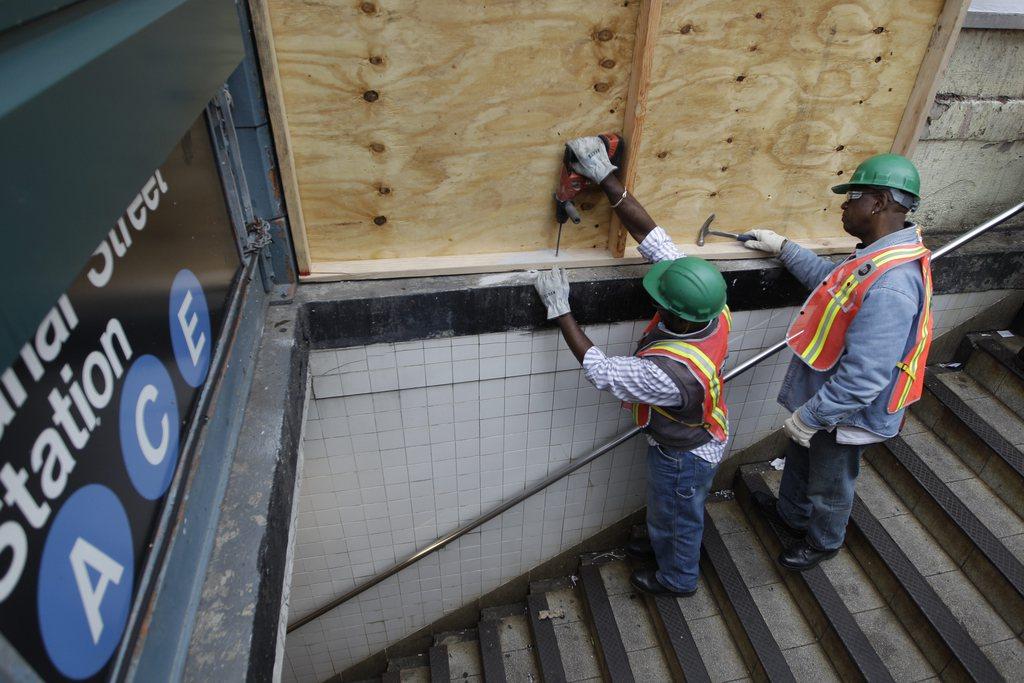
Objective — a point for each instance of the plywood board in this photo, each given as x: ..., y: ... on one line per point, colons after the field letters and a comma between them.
x: 754, y: 110
x: 434, y: 127
x: 427, y: 136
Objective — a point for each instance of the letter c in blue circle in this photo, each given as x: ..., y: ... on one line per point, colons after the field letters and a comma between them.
x: 149, y: 425
x: 189, y: 319
x: 86, y: 576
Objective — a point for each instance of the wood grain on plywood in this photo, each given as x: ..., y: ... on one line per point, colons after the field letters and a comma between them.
x: 434, y: 127
x: 755, y: 110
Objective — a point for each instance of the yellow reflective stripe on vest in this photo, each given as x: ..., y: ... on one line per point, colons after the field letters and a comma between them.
x: 728, y: 316
x: 911, y: 368
x: 817, y: 343
x: 849, y: 286
x: 706, y: 367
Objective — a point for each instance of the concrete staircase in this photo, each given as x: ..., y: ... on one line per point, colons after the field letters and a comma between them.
x: 929, y: 584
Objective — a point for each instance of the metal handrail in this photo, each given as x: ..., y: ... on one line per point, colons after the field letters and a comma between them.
x: 593, y: 455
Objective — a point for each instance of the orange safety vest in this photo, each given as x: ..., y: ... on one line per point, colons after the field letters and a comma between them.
x: 704, y: 359
x: 818, y: 335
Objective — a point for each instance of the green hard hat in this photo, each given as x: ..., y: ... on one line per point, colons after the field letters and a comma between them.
x: 689, y: 287
x: 884, y: 170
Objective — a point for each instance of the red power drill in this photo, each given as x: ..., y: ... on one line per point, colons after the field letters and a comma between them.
x: 571, y: 183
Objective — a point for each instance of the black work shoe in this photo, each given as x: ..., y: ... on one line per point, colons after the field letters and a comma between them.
x: 640, y: 549
x: 801, y: 557
x: 646, y: 580
x: 766, y: 505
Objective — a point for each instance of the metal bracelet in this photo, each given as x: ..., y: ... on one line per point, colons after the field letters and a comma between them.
x: 616, y: 204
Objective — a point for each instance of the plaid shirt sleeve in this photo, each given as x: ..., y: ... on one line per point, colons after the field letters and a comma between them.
x: 630, y: 378
x: 658, y: 246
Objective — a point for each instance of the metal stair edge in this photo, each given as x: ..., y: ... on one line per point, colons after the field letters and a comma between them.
x: 741, y: 603
x: 858, y: 651
x: 438, y: 657
x: 490, y: 651
x: 549, y: 659
x: 1011, y: 454
x: 610, y: 648
x: 993, y: 549
x: 1002, y: 355
x: 672, y: 627
x: 945, y: 625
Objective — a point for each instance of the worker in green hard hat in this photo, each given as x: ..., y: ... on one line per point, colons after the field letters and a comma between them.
x: 672, y: 384
x: 860, y: 344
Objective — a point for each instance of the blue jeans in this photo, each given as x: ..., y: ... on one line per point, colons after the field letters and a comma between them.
x: 816, y: 494
x: 677, y: 486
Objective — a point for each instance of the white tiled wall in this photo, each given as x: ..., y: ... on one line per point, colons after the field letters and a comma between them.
x: 405, y: 442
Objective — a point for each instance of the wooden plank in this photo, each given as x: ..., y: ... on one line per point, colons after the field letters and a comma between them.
x: 636, y: 107
x: 433, y: 128
x: 940, y: 49
x: 279, y: 126
x: 754, y: 111
x: 568, y: 258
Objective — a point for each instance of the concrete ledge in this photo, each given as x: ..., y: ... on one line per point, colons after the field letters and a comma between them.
x: 994, y: 20
x: 356, y: 313
x: 236, y: 632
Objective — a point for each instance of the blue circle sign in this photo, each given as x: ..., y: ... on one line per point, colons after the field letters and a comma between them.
x: 190, y: 327
x: 149, y: 424
x: 86, y: 576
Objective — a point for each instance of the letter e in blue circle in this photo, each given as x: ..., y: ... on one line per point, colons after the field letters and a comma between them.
x: 190, y: 327
x: 86, y: 575
x: 149, y: 425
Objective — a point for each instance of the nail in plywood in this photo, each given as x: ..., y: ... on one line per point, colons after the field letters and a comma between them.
x: 647, y: 26
x: 754, y: 110
x: 434, y: 127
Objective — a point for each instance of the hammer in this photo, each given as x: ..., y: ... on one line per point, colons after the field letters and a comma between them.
x: 706, y: 230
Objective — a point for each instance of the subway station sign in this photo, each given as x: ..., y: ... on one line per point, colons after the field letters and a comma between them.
x: 94, y: 409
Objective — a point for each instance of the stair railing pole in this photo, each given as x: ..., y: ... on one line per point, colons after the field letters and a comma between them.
x: 593, y: 455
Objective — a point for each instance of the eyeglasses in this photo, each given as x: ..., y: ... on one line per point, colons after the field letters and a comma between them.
x: 857, y: 194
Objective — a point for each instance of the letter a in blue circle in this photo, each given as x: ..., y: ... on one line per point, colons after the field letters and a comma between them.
x: 148, y: 425
x: 86, y: 575
x: 190, y: 327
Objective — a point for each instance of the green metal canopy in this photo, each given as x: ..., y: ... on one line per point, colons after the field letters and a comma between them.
x: 95, y: 95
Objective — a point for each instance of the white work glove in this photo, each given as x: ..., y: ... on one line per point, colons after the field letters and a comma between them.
x: 765, y: 240
x: 553, y: 288
x: 798, y: 430
x: 593, y: 161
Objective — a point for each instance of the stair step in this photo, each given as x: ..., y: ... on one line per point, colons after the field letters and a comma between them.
x: 506, y: 645
x: 557, y: 612
x: 971, y: 523
x: 1003, y: 472
x: 905, y: 561
x: 985, y: 415
x: 414, y: 669
x: 639, y: 638
x: 777, y: 631
x: 615, y: 661
x: 860, y: 631
x: 455, y: 656
x: 995, y: 365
